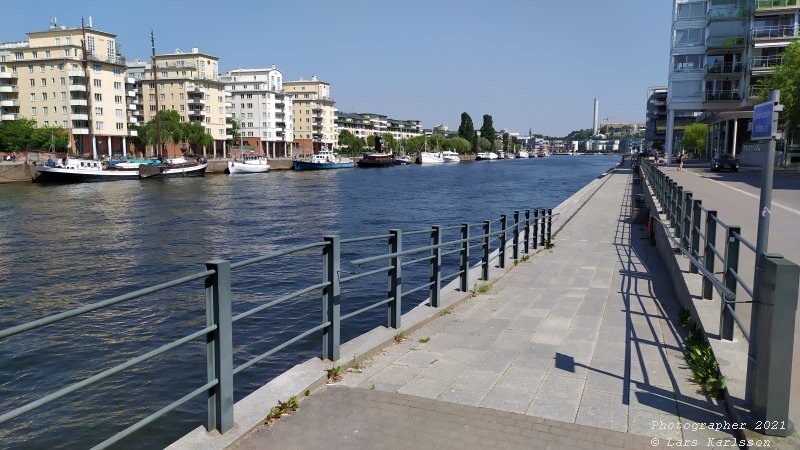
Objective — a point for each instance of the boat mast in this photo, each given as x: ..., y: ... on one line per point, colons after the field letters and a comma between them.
x: 88, y: 91
x: 155, y: 85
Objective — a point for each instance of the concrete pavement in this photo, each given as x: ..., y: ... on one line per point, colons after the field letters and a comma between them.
x: 583, y: 335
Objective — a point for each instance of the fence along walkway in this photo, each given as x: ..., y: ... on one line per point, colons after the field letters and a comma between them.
x: 582, y: 334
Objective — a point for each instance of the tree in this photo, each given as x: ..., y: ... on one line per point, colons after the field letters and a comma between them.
x: 787, y: 79
x: 506, y: 139
x: 694, y: 137
x: 458, y: 144
x: 389, y: 142
x: 484, y: 144
x: 466, y: 130
x: 475, y: 144
x: 371, y: 141
x: 234, y: 128
x: 487, y: 130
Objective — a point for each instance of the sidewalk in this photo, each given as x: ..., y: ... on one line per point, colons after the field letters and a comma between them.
x: 580, y: 338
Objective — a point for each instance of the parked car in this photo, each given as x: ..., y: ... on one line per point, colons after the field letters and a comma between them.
x: 725, y: 161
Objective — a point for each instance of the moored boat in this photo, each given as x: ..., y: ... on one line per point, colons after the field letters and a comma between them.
x: 76, y: 170
x: 523, y: 154
x: 325, y: 159
x: 430, y: 158
x: 249, y: 164
x: 402, y: 160
x: 377, y: 159
x: 450, y: 156
x: 174, y: 167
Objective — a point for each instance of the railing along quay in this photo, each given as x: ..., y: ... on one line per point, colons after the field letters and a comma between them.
x: 529, y: 229
x: 694, y: 230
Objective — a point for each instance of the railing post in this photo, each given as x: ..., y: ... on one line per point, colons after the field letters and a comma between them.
x: 771, y: 376
x: 708, y: 252
x: 678, y: 225
x: 535, y: 228
x: 331, y: 268
x: 696, y: 212
x: 464, y: 257
x: 549, y: 226
x: 673, y: 205
x: 542, y: 231
x: 395, y: 287
x: 436, y: 266
x: 527, y: 247
x: 686, y: 229
x: 485, y: 257
x: 502, y: 255
x: 515, y: 239
x: 731, y: 266
x: 219, y: 346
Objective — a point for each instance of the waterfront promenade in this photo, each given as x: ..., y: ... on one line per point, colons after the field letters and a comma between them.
x: 579, y: 347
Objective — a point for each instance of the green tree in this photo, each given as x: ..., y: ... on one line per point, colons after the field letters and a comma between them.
x: 371, y: 141
x: 787, y: 79
x: 487, y: 129
x: 466, y: 130
x: 15, y: 135
x: 458, y: 144
x: 475, y: 144
x: 389, y: 142
x: 234, y: 128
x: 484, y: 144
x: 506, y: 140
x: 694, y: 137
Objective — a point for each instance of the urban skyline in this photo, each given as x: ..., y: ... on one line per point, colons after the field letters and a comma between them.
x: 540, y: 66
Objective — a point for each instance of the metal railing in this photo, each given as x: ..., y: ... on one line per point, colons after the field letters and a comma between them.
x: 725, y: 41
x: 528, y: 229
x: 765, y: 62
x: 695, y: 234
x: 769, y: 4
x: 722, y: 95
x: 727, y: 12
x: 775, y: 31
x: 724, y: 68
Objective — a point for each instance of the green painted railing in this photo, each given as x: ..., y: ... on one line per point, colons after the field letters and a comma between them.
x: 529, y: 229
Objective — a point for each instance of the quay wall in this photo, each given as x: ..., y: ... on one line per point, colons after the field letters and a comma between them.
x: 15, y: 172
x: 250, y: 411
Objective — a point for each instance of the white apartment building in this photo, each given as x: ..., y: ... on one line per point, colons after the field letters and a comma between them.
x: 720, y: 49
x: 368, y: 124
x: 262, y: 109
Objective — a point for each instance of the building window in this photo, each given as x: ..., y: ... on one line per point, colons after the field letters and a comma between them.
x: 58, y: 41
x: 119, y: 126
x: 182, y: 107
x: 47, y: 53
x: 63, y: 110
x: 44, y: 96
x: 163, y: 97
x: 117, y: 72
x: 35, y: 54
x: 163, y: 75
x: 117, y: 85
x: 152, y: 85
x: 98, y: 111
x: 46, y: 122
x: 110, y: 51
x: 152, y: 108
x: 118, y: 112
x: 63, y: 81
x: 66, y: 53
x: 689, y: 37
x: 45, y: 109
x: 97, y: 82
x: 152, y: 97
x: 33, y: 96
x: 33, y: 111
x: 30, y: 68
x: 117, y: 99
x: 98, y: 97
x: 41, y: 67
x: 96, y: 68
x: 100, y: 125
x: 161, y: 85
x: 44, y: 82
x: 18, y: 55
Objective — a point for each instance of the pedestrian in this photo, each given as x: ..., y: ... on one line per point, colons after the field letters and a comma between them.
x: 680, y: 160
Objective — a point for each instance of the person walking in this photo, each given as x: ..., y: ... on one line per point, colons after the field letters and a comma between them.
x: 680, y: 160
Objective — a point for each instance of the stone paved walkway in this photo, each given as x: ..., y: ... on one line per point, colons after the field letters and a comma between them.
x: 581, y: 334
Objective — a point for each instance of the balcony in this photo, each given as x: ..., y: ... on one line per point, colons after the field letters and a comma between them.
x: 228, y: 137
x: 197, y: 112
x: 131, y: 107
x: 775, y: 4
x: 130, y: 93
x: 765, y: 64
x: 725, y: 41
x: 133, y: 133
x: 78, y: 102
x: 80, y: 131
x: 77, y: 73
x: 130, y: 80
x: 727, y: 13
x: 77, y: 87
x: 228, y: 125
x: 775, y: 32
x: 229, y: 115
x: 9, y: 103
x: 196, y: 101
x: 722, y: 96
x: 79, y: 116
x: 138, y: 112
x: 133, y: 120
x: 228, y: 105
x: 196, y: 90
x: 726, y: 68
x: 11, y: 116
x: 8, y: 88
x: 8, y: 75
x: 756, y: 91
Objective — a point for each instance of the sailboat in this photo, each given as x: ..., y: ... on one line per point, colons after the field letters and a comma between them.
x: 426, y: 157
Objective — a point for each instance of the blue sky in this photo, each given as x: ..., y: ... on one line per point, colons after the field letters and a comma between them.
x: 529, y: 63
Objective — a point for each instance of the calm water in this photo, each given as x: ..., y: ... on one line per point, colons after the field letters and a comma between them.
x: 66, y: 246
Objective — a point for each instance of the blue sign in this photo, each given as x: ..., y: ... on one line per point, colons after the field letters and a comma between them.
x: 762, y: 121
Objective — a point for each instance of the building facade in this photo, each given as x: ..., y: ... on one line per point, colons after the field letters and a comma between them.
x: 367, y: 124
x: 720, y: 50
x: 313, y: 114
x: 262, y: 109
x: 188, y: 83
x: 72, y: 78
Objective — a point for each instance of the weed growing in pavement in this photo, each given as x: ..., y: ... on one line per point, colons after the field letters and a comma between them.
x: 283, y: 408
x: 425, y: 340
x: 700, y: 357
x: 334, y: 373
x: 400, y: 336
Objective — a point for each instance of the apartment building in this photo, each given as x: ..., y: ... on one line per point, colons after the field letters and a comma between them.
x: 68, y: 77
x: 188, y: 83
x: 720, y: 50
x: 313, y: 114
x: 368, y: 124
x: 262, y: 109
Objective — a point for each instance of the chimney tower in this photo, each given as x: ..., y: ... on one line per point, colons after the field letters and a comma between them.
x: 596, y: 111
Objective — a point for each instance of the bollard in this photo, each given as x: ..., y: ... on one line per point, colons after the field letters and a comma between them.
x: 436, y: 266
x: 485, y: 257
x: 696, y: 212
x: 536, y: 228
x: 395, y: 288
x: 527, y: 231
x: 331, y: 297
x: 515, y: 239
x: 502, y: 252
x: 731, y: 267
x: 219, y: 346
x: 464, y: 278
x: 772, y: 371
x: 708, y: 253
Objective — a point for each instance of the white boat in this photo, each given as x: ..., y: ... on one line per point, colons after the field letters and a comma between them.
x: 249, y: 164
x: 523, y: 154
x: 430, y: 158
x: 449, y: 156
x: 72, y: 170
x: 325, y: 159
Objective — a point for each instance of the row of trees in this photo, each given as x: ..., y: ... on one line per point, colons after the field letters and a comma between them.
x: 23, y: 134
x: 172, y: 130
x: 466, y: 130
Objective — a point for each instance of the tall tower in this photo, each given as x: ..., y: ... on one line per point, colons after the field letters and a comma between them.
x: 594, y: 123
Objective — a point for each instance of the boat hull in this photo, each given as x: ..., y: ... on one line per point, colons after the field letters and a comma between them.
x: 375, y: 162
x: 59, y: 175
x: 172, y: 171
x: 238, y: 167
x: 305, y: 165
x: 430, y: 158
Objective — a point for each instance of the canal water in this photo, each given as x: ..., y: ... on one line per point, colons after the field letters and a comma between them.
x: 66, y: 246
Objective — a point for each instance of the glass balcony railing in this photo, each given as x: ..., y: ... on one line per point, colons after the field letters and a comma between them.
x: 757, y: 91
x: 722, y: 95
x: 770, y: 4
x: 765, y: 62
x: 727, y: 12
x: 724, y: 68
x: 725, y: 41
x: 777, y: 31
